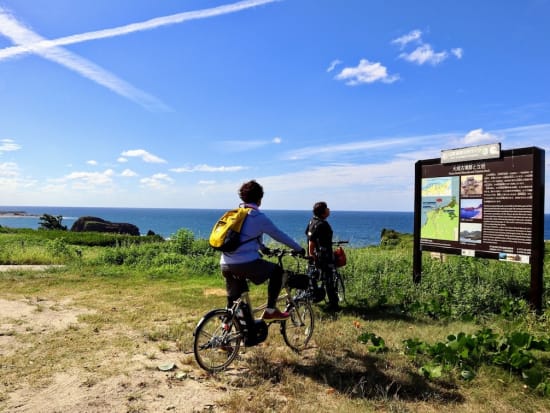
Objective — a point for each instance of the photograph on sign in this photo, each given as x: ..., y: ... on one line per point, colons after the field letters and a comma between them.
x: 470, y: 232
x: 471, y: 208
x: 471, y: 185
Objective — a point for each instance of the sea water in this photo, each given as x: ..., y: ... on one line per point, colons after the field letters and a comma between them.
x: 360, y: 228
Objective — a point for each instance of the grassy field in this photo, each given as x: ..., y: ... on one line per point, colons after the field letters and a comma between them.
x: 111, y: 330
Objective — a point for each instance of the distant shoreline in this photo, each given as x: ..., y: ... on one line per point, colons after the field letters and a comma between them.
x: 17, y: 214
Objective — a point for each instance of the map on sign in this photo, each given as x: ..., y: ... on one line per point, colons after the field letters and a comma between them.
x: 440, y: 208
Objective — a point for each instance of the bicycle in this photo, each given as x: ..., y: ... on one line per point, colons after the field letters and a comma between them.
x: 219, y: 333
x: 338, y: 277
x: 321, y: 279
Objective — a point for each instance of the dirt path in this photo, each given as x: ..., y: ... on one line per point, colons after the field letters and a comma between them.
x: 5, y: 268
x: 140, y: 387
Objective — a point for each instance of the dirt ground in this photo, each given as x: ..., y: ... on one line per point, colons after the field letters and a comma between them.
x: 143, y: 385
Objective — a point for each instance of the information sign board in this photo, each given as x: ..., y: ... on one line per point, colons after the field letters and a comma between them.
x: 490, y: 208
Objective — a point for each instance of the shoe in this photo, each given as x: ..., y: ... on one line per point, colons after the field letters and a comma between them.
x: 275, y: 315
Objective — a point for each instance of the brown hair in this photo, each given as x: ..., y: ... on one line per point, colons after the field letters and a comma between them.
x: 251, y: 191
x: 319, y: 209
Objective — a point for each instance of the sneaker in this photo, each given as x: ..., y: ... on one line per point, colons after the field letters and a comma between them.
x: 276, y: 315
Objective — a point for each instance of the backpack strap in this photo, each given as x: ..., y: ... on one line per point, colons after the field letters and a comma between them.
x: 249, y: 207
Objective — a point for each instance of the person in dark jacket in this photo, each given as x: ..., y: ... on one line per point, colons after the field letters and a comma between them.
x: 319, y: 237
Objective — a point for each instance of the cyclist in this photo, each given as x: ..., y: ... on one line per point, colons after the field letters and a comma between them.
x: 319, y: 236
x: 245, y: 263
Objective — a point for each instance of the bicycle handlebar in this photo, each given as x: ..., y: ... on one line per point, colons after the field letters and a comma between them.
x: 340, y: 243
x: 281, y: 252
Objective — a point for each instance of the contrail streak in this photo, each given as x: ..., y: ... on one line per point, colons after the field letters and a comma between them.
x: 28, y: 41
x: 12, y: 29
x: 40, y: 45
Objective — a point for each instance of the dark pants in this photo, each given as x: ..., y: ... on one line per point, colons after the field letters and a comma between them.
x: 327, y: 274
x: 257, y: 271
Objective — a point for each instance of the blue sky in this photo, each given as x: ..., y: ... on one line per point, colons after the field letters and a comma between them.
x: 135, y: 103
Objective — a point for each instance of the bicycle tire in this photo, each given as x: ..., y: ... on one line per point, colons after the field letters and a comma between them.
x: 340, y: 288
x: 214, y: 346
x: 297, y: 330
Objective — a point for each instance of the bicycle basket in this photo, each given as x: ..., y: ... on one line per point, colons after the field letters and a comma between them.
x: 339, y: 257
x: 295, y: 280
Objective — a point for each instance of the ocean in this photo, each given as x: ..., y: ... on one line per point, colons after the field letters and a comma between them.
x: 360, y: 228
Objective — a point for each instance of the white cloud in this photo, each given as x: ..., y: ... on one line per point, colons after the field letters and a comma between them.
x: 122, y: 159
x: 157, y: 181
x: 91, y: 162
x: 208, y: 168
x: 413, y: 36
x: 477, y: 136
x: 207, y: 182
x: 89, y: 179
x: 11, y: 180
x: 526, y: 136
x: 8, y: 145
x: 348, y: 175
x: 246, y: 145
x: 366, y: 72
x: 346, y: 147
x: 128, y: 173
x: 458, y: 52
x: 333, y: 65
x: 425, y: 54
x: 143, y: 154
x: 9, y: 169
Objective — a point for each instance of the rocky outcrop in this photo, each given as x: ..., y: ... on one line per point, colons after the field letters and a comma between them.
x: 94, y: 224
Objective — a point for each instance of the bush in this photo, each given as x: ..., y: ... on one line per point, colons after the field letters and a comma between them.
x: 182, y: 241
x: 59, y: 248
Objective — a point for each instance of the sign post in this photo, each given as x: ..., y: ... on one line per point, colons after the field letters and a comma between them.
x: 482, y: 202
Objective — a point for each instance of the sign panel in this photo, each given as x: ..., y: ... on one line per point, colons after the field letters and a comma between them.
x: 482, y: 202
x: 481, y: 205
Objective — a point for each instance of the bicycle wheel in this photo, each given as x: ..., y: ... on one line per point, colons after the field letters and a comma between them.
x: 216, y: 341
x: 340, y: 288
x: 298, y: 328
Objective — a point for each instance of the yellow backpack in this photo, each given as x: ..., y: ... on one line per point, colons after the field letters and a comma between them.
x: 225, y: 235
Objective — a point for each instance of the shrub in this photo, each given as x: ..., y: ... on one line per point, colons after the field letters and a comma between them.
x: 182, y: 241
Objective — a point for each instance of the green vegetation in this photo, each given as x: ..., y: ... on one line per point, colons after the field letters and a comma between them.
x: 464, y: 338
x: 513, y: 352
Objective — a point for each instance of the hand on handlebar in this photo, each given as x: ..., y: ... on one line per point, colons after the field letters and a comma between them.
x: 266, y: 251
x: 300, y: 253
x: 338, y: 243
x: 280, y: 252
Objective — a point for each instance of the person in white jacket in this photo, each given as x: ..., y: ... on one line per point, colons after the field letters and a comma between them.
x: 246, y: 262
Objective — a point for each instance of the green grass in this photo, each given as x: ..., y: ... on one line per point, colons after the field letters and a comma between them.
x: 146, y: 297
